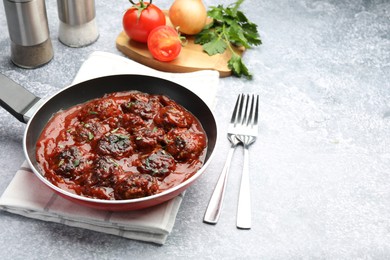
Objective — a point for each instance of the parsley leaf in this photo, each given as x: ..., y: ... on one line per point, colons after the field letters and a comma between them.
x: 230, y: 27
x: 215, y: 46
x: 239, y: 68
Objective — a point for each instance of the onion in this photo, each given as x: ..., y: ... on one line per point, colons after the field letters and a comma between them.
x: 188, y: 15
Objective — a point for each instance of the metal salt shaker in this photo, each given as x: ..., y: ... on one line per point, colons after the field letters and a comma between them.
x: 78, y: 26
x: 28, y: 29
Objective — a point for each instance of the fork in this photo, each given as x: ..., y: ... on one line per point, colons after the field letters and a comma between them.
x: 215, y: 204
x: 247, y: 130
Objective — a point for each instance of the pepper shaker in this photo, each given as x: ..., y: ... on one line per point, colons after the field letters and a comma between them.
x: 28, y: 29
x: 78, y: 26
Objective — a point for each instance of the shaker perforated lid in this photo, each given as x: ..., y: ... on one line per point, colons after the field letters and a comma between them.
x: 76, y: 12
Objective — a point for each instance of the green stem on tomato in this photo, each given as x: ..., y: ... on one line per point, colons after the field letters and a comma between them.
x: 140, y: 7
x: 183, y: 40
x: 141, y: 3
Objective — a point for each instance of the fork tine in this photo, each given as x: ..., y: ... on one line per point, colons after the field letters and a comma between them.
x: 250, y: 117
x: 234, y: 118
x: 256, y: 116
x: 243, y: 110
x: 248, y: 111
x: 240, y: 114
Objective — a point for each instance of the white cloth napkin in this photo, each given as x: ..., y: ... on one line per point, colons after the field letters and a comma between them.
x: 26, y: 195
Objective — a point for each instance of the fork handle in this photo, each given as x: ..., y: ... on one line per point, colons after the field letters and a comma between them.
x: 244, y: 199
x: 215, y: 204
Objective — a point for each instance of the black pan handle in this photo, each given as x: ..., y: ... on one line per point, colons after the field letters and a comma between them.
x: 16, y: 99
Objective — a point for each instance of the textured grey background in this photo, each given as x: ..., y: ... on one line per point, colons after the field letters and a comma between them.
x: 320, y: 167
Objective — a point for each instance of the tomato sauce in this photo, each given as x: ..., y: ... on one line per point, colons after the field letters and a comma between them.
x: 124, y: 145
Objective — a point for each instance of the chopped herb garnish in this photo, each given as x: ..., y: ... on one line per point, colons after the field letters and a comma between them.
x: 122, y: 136
x: 129, y: 104
x: 76, y: 163
x: 147, y: 162
x: 114, y: 162
x: 61, y: 162
x: 90, y: 136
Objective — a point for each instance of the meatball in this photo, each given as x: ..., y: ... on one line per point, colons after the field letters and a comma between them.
x: 135, y: 186
x: 105, y: 172
x: 88, y: 131
x: 147, y: 138
x: 158, y: 163
x: 166, y: 101
x: 68, y: 162
x: 116, y: 144
x: 131, y: 122
x: 100, y: 108
x: 143, y: 105
x: 173, y: 116
x: 185, y: 145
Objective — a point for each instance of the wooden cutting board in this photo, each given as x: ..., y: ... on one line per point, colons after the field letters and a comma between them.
x: 191, y: 58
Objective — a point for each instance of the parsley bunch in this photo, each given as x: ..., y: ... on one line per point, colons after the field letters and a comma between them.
x: 230, y: 27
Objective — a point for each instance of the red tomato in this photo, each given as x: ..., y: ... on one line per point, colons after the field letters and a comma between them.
x: 138, y: 28
x: 164, y: 43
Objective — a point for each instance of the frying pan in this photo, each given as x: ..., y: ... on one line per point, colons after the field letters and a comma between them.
x: 36, y: 112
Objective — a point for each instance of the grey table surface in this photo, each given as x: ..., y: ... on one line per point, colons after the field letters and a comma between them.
x: 320, y: 169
